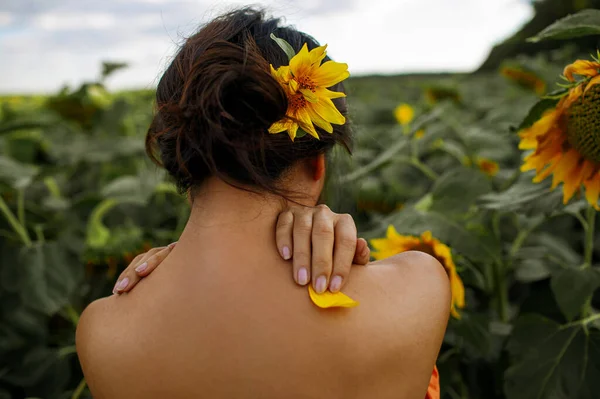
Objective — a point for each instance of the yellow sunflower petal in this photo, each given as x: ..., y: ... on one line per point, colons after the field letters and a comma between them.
x: 330, y: 73
x: 391, y: 232
x: 317, y: 54
x: 573, y: 96
x: 565, y: 167
x: 322, y: 92
x: 309, y: 95
x: 317, y: 120
x: 331, y: 300
x: 279, y: 127
x: 305, y: 122
x: 593, y: 82
x: 572, y: 183
x: 300, y: 63
x: 292, y: 130
x: 327, y: 110
x: 581, y: 67
x: 592, y: 190
x: 529, y: 135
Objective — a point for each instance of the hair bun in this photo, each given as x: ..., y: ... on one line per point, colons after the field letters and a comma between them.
x: 229, y: 92
x: 217, y: 100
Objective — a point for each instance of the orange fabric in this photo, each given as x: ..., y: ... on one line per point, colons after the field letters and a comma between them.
x: 433, y: 391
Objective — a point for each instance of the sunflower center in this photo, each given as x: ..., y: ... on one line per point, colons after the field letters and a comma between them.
x: 583, y: 124
x: 306, y: 83
x: 296, y: 101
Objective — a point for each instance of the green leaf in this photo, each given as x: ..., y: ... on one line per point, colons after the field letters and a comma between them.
x: 108, y: 68
x: 300, y: 133
x: 524, y: 196
x: 455, y: 191
x: 572, y: 287
x: 285, y: 46
x: 49, y: 275
x: 584, y: 23
x: 399, y: 143
x: 530, y: 270
x: 16, y: 174
x: 536, y: 112
x: 552, y: 361
x: 424, y: 204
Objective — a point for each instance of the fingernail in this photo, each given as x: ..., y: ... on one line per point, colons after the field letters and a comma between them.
x: 321, y: 285
x: 336, y: 284
x: 172, y: 245
x: 141, y: 267
x: 302, y: 276
x: 286, y: 253
x: 121, y: 285
x: 365, y: 252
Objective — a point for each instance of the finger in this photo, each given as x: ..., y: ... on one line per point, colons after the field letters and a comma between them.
x: 152, y: 262
x: 129, y: 278
x: 322, y: 248
x: 284, y: 234
x: 343, y: 252
x: 362, y: 255
x: 301, y: 256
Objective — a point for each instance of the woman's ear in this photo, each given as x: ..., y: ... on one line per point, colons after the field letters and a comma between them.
x: 318, y: 167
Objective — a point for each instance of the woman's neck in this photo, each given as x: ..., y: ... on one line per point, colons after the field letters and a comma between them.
x: 233, y: 215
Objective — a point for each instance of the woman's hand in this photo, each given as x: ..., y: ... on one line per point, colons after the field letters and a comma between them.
x: 321, y: 244
x: 141, y: 266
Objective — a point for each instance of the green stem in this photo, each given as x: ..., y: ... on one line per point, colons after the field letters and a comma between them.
x: 522, y: 236
x: 72, y: 315
x: 427, y: 171
x: 21, y: 206
x: 39, y: 233
x: 583, y: 322
x: 67, y: 350
x: 79, y: 390
x: 589, y: 237
x: 501, y: 291
x: 14, y: 223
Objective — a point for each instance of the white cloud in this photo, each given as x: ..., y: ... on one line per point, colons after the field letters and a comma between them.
x: 416, y: 35
x: 5, y: 18
x: 373, y: 36
x: 73, y: 21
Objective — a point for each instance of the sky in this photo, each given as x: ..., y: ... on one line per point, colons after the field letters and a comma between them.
x: 45, y: 44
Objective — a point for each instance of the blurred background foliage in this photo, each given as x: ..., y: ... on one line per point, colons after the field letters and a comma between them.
x: 79, y: 199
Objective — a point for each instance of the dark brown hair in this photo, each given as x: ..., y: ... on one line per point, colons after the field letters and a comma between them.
x: 217, y: 99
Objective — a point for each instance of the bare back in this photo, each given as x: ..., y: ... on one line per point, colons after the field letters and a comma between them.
x: 210, y: 328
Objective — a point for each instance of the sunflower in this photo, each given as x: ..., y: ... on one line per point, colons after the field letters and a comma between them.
x: 395, y: 243
x: 305, y: 82
x: 487, y: 166
x: 566, y: 140
x: 525, y: 79
x: 404, y: 114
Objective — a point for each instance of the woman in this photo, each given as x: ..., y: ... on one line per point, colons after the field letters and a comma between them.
x: 221, y: 319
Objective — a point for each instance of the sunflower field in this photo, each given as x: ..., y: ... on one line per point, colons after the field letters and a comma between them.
x: 495, y: 173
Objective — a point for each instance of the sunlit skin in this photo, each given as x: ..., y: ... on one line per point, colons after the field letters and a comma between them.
x: 223, y: 319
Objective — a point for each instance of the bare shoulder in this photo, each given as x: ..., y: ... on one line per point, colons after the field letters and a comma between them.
x: 101, y: 347
x: 405, y: 303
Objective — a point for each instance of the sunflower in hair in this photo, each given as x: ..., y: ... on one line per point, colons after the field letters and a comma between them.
x: 305, y: 81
